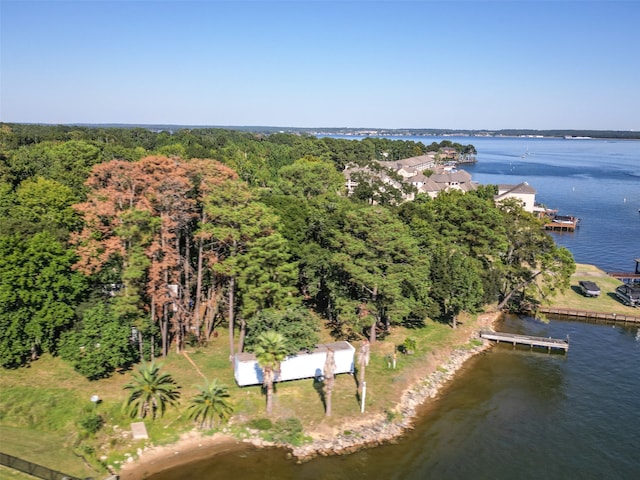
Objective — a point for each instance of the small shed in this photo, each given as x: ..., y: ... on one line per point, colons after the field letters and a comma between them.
x: 303, y: 365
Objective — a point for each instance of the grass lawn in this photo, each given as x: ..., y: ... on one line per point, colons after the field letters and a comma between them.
x: 44, y: 448
x: 11, y: 474
x: 607, y: 301
x: 41, y: 405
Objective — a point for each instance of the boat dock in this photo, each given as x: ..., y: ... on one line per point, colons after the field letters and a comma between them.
x: 562, y: 223
x: 625, y: 276
x: 544, y: 342
x: 590, y: 315
x: 628, y: 276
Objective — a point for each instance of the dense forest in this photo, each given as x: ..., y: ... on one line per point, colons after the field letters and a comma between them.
x: 120, y: 244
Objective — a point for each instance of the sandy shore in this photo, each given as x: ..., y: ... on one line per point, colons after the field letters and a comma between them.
x: 190, y: 448
x: 371, y: 432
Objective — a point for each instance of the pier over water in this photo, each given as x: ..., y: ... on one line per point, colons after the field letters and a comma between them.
x: 545, y: 342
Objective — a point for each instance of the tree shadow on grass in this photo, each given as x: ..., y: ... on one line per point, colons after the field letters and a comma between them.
x: 356, y: 380
x: 318, y: 386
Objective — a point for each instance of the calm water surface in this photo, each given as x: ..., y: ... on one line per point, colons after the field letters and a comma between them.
x: 513, y: 413
x: 595, y: 180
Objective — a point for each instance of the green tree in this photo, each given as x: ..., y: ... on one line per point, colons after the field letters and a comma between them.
x: 69, y: 163
x: 234, y: 222
x: 151, y: 392
x: 533, y: 267
x: 311, y: 227
x: 377, y: 185
x: 210, y: 403
x: 310, y: 177
x: 99, y: 343
x: 270, y: 351
x: 266, y: 275
x: 39, y: 292
x: 174, y: 150
x: 296, y: 324
x: 46, y: 205
x: 455, y: 283
x: 136, y: 232
x: 7, y: 206
x: 383, y: 276
x: 468, y: 223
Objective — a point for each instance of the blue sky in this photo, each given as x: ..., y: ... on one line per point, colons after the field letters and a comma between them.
x: 402, y: 64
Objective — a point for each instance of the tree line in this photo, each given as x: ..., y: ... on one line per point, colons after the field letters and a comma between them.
x: 121, y: 244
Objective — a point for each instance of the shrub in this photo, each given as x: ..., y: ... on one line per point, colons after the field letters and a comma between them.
x: 409, y: 345
x: 289, y: 431
x: 91, y: 423
x: 260, y: 424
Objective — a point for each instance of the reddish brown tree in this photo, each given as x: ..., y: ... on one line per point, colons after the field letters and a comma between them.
x: 142, y: 216
x: 206, y: 176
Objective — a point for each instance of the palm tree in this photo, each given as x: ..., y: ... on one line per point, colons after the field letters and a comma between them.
x: 210, y: 403
x: 270, y: 350
x: 329, y: 373
x: 151, y: 391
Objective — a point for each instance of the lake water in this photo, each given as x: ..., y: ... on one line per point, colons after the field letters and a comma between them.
x: 512, y: 413
x: 597, y: 181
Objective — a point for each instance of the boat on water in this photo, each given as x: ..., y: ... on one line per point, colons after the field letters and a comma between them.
x: 565, y: 219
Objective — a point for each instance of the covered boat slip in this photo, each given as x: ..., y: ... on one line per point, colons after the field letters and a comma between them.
x: 303, y: 365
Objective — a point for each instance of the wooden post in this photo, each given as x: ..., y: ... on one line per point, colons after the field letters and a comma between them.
x: 364, y: 396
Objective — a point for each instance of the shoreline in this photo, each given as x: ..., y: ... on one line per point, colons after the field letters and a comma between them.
x: 191, y: 447
x: 379, y: 429
x: 356, y: 433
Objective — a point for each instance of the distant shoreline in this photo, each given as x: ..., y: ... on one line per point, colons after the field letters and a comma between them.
x: 569, y: 134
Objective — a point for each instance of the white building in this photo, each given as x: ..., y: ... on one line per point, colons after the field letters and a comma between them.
x: 523, y: 192
x: 303, y: 365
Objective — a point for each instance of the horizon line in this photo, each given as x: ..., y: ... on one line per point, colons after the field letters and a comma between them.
x: 278, y: 127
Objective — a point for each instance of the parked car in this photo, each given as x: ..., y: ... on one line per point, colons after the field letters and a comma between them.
x: 589, y: 289
x: 629, y: 295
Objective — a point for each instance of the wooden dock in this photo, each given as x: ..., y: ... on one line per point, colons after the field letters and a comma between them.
x: 625, y: 276
x: 565, y: 226
x: 628, y: 276
x: 590, y: 315
x: 544, y: 342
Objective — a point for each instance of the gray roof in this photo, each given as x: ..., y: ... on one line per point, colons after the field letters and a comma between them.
x: 523, y: 187
x: 459, y: 176
x: 408, y: 162
x: 418, y: 178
